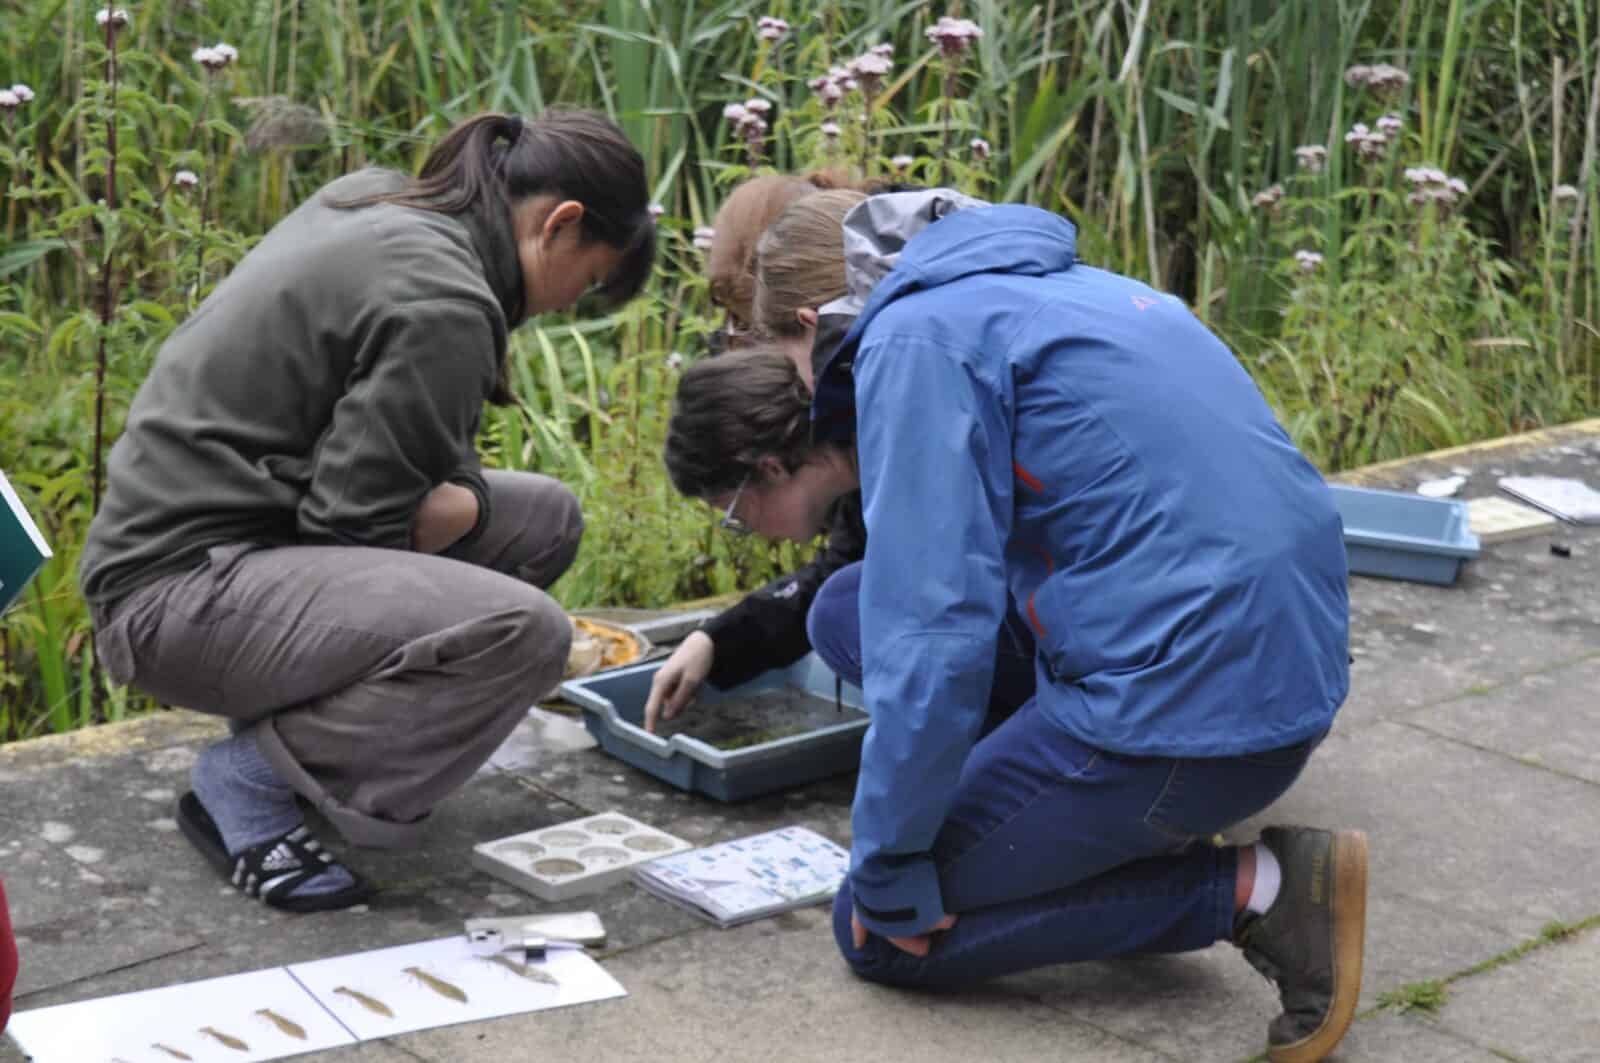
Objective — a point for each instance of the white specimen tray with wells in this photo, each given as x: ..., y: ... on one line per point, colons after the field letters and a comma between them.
x: 575, y: 857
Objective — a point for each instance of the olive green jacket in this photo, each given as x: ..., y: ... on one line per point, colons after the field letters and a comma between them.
x: 334, y: 378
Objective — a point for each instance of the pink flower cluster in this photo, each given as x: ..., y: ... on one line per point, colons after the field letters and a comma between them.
x: 1268, y: 197
x: 14, y: 97
x: 771, y: 28
x: 1382, y: 78
x: 871, y: 68
x: 865, y: 72
x: 217, y: 57
x: 1308, y: 260
x: 749, y: 119
x: 1312, y: 158
x: 954, y: 35
x: 1369, y: 143
x: 832, y: 87
x: 1430, y: 185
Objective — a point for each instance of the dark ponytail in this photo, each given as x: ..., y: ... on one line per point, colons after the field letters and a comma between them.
x: 571, y: 154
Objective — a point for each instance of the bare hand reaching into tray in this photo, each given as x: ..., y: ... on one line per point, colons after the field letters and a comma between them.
x: 678, y: 681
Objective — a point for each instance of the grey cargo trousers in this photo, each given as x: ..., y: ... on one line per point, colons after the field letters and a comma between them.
x: 377, y: 681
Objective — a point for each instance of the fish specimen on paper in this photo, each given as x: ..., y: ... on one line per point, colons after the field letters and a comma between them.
x: 438, y: 985
x: 372, y: 1004
x: 224, y: 1039
x: 522, y: 970
x: 287, y: 1026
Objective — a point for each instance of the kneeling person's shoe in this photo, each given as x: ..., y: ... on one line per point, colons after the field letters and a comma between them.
x: 1310, y: 941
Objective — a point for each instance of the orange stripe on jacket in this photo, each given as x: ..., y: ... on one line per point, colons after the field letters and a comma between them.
x: 1027, y: 477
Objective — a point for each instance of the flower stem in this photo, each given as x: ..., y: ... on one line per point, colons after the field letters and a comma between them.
x: 949, y: 116
x: 97, y: 693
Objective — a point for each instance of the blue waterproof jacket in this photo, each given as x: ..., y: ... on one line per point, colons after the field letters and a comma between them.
x: 1075, y: 440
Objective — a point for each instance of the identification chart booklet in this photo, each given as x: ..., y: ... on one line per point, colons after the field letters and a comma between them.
x: 22, y: 548
x: 750, y: 878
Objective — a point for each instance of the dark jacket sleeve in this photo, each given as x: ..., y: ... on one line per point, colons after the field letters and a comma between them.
x: 768, y: 628
x: 402, y: 427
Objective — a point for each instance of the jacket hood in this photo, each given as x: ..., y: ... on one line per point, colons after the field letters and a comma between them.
x: 893, y: 248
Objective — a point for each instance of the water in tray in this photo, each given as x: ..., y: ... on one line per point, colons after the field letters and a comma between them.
x: 752, y: 719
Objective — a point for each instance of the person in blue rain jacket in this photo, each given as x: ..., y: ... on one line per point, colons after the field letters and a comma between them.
x: 1039, y: 437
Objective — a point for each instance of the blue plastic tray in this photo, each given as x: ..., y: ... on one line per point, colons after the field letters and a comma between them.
x: 613, y: 710
x: 1404, y: 536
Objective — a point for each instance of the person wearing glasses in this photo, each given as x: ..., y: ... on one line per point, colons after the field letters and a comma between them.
x: 767, y: 628
x: 776, y: 625
x: 1033, y: 435
x: 297, y: 535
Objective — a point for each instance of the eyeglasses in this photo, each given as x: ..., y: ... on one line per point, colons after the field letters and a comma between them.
x: 729, y: 522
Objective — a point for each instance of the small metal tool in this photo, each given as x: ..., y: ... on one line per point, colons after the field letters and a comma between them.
x: 535, y: 948
x: 531, y: 937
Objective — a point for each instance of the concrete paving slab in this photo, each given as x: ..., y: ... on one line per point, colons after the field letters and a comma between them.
x: 1207, y: 1005
x: 1518, y: 610
x: 82, y: 894
x: 1213, y: 1005
x: 1543, y: 1007
x: 1456, y: 829
x: 1548, y: 718
x: 778, y: 990
x: 1395, y: 1038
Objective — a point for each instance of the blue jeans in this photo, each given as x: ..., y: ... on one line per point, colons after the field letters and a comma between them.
x: 1054, y: 851
x: 834, y: 628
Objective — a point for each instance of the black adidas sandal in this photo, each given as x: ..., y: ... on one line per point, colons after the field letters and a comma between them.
x: 272, y: 870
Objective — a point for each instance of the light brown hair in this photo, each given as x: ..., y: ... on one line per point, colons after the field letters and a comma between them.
x: 800, y: 260
x: 740, y: 221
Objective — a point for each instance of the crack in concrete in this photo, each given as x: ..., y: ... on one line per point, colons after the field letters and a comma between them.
x: 1515, y: 954
x: 544, y: 791
x: 109, y: 971
x: 1526, y: 762
x: 1077, y: 1020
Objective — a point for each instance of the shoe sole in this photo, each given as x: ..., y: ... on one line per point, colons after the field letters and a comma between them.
x: 1349, y: 905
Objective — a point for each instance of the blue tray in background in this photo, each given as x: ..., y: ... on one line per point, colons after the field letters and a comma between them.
x: 613, y: 710
x: 1404, y: 536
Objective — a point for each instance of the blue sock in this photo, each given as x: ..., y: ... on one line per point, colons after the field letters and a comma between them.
x: 250, y: 804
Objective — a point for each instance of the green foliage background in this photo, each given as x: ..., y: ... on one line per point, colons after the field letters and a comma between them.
x: 1154, y: 126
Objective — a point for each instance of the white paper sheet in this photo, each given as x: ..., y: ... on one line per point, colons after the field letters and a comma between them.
x: 189, y: 1020
x: 307, y: 1007
x: 1571, y: 500
x: 399, y: 980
